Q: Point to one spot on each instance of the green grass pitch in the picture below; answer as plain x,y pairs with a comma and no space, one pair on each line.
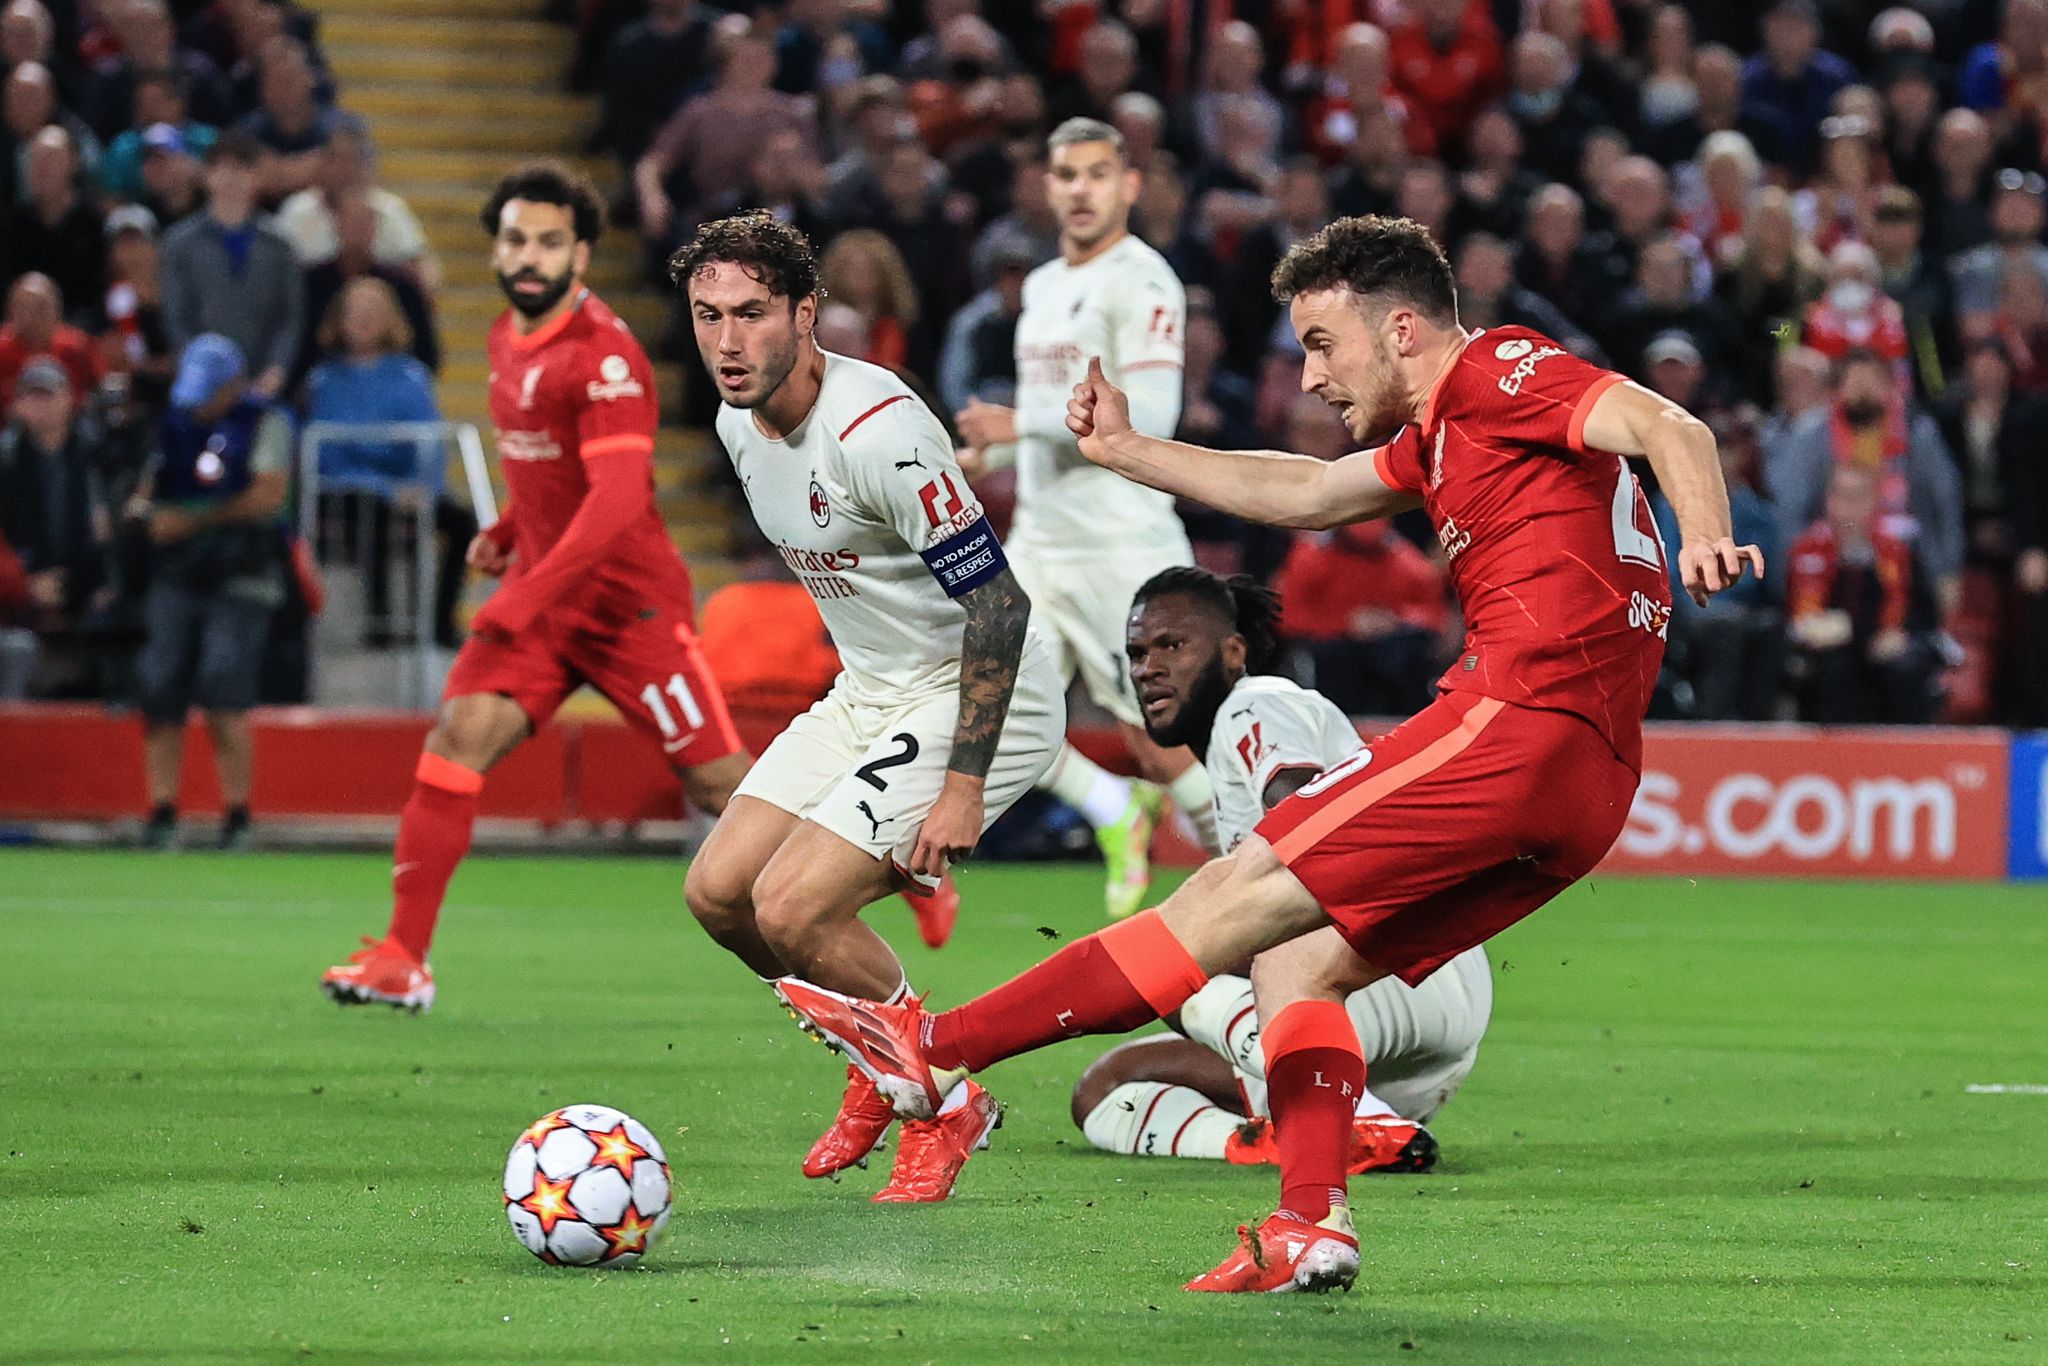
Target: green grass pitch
1712,1122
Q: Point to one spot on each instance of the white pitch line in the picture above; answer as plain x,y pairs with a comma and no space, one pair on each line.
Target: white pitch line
2023,1088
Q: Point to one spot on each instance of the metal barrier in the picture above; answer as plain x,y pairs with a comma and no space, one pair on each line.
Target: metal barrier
416,496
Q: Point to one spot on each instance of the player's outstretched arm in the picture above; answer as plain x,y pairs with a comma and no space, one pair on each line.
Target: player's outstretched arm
991,649
1272,487
1631,420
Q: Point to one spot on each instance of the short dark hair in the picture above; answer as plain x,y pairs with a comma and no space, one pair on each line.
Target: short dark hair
1252,609
549,182
759,243
237,145
1373,255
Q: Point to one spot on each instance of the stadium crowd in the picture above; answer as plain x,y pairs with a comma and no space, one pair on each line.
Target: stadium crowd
1820,226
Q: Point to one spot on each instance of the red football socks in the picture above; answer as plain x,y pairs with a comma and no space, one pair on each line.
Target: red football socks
1314,1073
433,835
1110,982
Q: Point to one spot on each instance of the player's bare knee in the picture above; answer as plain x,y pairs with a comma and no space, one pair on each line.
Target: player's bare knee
470,735
791,911
719,897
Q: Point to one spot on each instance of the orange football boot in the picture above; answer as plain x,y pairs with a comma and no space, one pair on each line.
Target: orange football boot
931,1152
886,1042
380,973
1285,1254
936,910
862,1120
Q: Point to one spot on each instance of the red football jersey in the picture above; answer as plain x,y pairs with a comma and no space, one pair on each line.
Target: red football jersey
581,389
1553,552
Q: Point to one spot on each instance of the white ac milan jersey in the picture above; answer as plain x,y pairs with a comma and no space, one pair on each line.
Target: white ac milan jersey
1127,307
853,500
1268,724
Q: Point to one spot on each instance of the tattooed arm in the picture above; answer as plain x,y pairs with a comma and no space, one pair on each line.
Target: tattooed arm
991,647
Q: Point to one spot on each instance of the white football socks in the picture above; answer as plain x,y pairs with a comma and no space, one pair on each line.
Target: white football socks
1195,798
1099,795
1152,1119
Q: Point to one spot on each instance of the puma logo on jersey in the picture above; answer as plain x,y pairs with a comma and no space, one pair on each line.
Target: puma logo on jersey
910,463
877,822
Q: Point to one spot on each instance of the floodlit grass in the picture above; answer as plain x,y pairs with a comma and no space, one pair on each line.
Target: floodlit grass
1712,1122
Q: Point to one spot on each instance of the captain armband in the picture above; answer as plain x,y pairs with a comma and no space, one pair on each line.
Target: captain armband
967,559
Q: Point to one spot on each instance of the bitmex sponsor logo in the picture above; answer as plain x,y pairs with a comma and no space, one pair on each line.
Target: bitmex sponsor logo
1803,802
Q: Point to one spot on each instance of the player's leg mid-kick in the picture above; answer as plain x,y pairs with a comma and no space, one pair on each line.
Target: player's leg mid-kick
1463,820
593,590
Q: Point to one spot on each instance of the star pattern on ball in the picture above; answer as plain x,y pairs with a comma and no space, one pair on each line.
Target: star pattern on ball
544,1126
549,1202
630,1234
617,1150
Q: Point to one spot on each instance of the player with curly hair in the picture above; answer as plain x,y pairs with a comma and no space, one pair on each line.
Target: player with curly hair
1483,806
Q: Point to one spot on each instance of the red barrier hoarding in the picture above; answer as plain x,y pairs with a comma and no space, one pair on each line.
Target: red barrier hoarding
1799,801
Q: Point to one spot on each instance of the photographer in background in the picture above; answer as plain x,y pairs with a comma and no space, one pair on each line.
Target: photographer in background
212,502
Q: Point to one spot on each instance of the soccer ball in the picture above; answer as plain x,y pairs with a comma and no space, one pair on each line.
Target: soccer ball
587,1185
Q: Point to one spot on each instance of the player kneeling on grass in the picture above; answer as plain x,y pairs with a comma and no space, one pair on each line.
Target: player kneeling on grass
1198,645
1483,806
945,712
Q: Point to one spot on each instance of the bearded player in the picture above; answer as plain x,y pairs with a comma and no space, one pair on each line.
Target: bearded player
1508,788
1199,648
1084,538
593,590
946,710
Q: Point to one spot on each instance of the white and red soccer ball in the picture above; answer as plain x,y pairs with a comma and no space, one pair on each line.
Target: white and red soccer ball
587,1185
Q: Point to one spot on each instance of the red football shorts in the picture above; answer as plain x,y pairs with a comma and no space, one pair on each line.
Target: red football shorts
1440,835
652,670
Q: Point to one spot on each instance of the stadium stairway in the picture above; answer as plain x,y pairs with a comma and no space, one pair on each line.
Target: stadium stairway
456,92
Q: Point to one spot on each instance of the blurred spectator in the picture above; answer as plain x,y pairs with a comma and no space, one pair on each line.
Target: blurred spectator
958,104
1489,296
35,327
916,220
1802,383
1860,618
876,121
1596,79
348,172
1357,86
1217,403
1560,261
985,167
28,105
788,180
355,259
1732,651
173,175
1373,161
290,122
1912,105
1673,366
211,504
1838,205
1855,313
1236,57
27,34
651,67
1029,229
1917,285
1637,196
1661,303
1301,207
257,25
148,51
1667,91
2020,327
1108,68
55,230
159,99
2017,59
1496,185
55,516
863,270
1956,216
1715,202
1870,425
841,329
134,340
225,271
1553,116
1161,217
369,374
1773,277
704,151
1142,121
1792,81
2017,217
979,357
1717,83
233,32
1447,63
1996,436
823,44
